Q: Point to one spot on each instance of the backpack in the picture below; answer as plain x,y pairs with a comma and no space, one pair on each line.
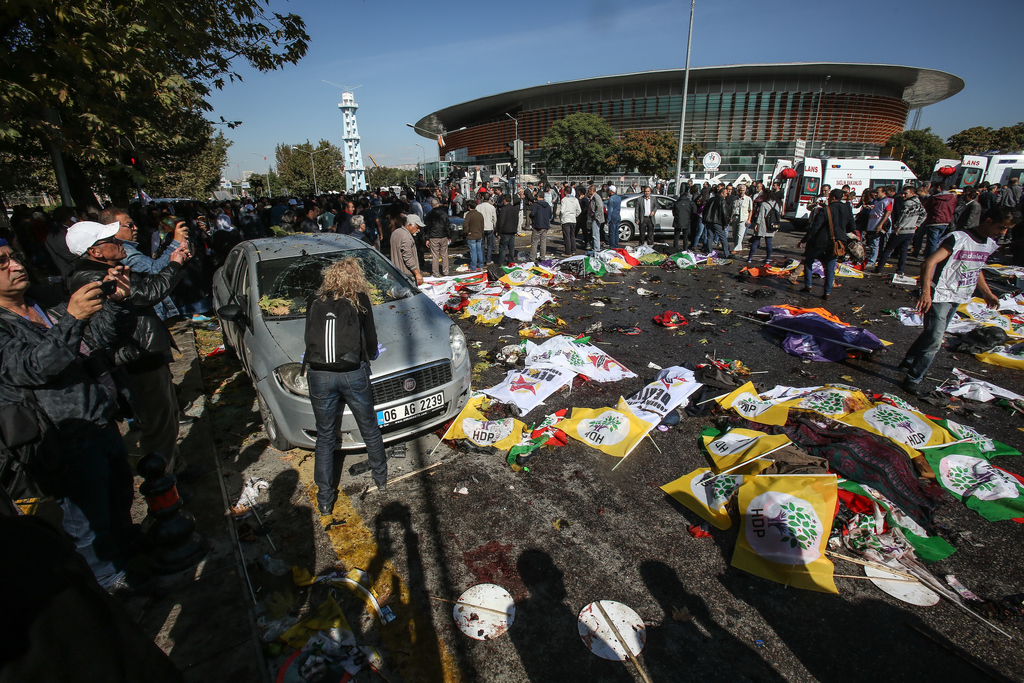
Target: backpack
772,219
334,335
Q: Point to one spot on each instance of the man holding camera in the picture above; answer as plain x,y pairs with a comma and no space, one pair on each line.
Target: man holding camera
146,357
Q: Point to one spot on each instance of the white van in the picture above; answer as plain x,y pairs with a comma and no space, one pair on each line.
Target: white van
802,190
973,169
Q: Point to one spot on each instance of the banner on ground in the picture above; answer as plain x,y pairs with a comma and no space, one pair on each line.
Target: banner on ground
832,401
989,447
745,401
615,431
785,524
515,277
484,310
965,472
472,425
521,303
1005,356
977,310
547,433
579,357
670,390
528,388
706,494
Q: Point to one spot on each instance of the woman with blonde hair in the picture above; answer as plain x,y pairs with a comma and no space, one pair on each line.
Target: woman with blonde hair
341,340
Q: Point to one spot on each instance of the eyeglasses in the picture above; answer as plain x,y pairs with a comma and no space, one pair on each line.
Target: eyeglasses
6,258
109,240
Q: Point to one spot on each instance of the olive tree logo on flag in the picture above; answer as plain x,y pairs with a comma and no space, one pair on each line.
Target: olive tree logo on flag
898,425
783,528
487,432
715,494
750,406
830,402
961,432
608,429
964,475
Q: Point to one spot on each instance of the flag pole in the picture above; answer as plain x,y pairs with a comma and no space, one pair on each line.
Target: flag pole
686,87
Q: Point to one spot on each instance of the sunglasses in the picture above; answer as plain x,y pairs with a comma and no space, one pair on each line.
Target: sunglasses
6,258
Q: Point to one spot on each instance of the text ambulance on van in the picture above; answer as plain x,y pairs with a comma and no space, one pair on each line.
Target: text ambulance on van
803,190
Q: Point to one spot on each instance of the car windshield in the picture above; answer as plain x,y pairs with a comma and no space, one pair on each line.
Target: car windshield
285,284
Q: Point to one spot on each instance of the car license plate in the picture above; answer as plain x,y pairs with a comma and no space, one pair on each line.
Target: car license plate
410,410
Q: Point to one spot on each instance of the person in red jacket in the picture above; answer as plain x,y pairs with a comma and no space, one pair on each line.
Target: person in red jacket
939,209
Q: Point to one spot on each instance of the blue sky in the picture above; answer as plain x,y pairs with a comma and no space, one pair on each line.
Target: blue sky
412,58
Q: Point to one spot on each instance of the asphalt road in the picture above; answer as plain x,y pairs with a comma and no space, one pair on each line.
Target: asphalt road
627,540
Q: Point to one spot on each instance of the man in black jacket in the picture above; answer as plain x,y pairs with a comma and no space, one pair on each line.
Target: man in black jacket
716,220
684,217
147,355
819,240
437,233
51,361
508,224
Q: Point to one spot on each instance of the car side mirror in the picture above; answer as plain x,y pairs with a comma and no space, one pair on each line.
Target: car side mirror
232,313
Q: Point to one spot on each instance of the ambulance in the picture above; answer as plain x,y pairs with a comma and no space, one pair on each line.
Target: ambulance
802,184
973,169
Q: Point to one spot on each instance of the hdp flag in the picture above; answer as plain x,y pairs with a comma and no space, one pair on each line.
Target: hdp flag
785,524
745,401
739,446
616,431
908,428
706,494
471,424
964,471
831,401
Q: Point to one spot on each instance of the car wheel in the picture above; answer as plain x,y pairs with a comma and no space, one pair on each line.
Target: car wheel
270,426
626,232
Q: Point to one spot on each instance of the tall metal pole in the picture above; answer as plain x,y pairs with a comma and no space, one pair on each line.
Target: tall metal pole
814,131
686,90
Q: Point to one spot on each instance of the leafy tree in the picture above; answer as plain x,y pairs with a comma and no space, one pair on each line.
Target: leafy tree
28,173
386,176
295,168
696,152
975,140
258,182
195,174
647,151
921,149
580,144
97,80
1009,138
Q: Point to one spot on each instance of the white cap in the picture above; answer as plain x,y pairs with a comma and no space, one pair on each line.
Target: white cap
611,188
84,234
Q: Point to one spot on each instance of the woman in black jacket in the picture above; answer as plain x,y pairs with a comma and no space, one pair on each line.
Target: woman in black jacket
340,341
818,242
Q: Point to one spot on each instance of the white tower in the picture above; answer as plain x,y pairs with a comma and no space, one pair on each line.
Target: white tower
355,173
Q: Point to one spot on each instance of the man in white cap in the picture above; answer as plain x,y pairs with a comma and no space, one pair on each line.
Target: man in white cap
146,357
403,248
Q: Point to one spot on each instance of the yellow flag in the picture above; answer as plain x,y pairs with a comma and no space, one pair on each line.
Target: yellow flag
1006,356
707,500
831,401
741,445
747,403
907,428
471,424
486,310
616,431
785,523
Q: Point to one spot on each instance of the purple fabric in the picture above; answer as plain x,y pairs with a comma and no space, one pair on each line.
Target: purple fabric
817,269
809,348
812,324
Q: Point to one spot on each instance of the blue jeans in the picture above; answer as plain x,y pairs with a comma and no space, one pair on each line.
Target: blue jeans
613,232
828,262
697,234
476,254
97,491
329,392
874,243
488,247
595,229
755,242
718,233
933,234
898,244
922,352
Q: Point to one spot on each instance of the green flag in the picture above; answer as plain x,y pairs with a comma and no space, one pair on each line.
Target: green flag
964,471
989,447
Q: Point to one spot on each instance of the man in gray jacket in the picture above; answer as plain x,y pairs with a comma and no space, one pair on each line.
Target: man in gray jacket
595,214
911,218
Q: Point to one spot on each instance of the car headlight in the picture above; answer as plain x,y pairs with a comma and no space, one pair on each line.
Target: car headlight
294,379
460,352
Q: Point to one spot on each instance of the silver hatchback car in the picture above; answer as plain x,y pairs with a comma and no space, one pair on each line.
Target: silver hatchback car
421,380
662,216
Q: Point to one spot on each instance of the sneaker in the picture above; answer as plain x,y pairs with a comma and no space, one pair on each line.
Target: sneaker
913,388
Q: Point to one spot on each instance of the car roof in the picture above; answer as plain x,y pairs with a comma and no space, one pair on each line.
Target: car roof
270,248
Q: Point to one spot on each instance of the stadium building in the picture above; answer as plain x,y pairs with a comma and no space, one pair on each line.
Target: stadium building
752,114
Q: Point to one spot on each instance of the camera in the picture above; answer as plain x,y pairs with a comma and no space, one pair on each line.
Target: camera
108,288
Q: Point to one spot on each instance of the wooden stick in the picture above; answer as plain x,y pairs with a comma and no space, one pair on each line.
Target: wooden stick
713,398
873,578
868,563
466,604
622,642
413,474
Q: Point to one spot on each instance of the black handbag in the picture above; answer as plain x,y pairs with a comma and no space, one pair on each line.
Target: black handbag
31,459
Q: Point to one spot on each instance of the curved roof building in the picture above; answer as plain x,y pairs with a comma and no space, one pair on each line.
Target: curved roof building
740,111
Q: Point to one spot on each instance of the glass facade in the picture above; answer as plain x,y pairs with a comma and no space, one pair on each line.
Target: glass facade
739,118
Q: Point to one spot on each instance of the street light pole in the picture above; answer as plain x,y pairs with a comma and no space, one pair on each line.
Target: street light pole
686,90
266,162
814,132
512,190
423,164
316,188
